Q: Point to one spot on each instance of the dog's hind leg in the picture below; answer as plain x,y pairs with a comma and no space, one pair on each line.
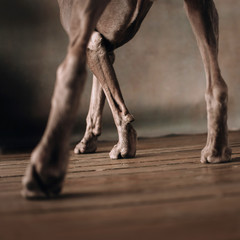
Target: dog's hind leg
99,62
94,120
204,20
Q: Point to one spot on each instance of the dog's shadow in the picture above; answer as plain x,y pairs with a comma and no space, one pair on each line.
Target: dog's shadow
234,160
80,195
77,195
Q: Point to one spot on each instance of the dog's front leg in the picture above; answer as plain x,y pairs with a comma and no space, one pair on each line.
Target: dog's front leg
45,174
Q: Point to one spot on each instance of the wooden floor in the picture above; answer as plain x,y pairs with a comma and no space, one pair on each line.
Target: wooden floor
164,193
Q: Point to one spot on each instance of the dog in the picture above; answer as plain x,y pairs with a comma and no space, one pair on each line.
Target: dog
95,30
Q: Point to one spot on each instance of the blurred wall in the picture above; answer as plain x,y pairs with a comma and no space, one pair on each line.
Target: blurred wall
160,70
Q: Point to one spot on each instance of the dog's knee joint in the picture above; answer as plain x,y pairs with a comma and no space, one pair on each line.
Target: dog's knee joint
96,42
217,94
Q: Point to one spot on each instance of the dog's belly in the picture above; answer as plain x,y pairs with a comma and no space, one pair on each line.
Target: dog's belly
121,20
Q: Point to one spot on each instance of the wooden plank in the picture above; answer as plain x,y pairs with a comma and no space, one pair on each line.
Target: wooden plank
208,219
164,193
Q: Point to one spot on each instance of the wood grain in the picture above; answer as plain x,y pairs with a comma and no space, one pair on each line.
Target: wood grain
164,193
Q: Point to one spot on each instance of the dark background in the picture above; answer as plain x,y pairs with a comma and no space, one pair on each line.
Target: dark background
160,71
